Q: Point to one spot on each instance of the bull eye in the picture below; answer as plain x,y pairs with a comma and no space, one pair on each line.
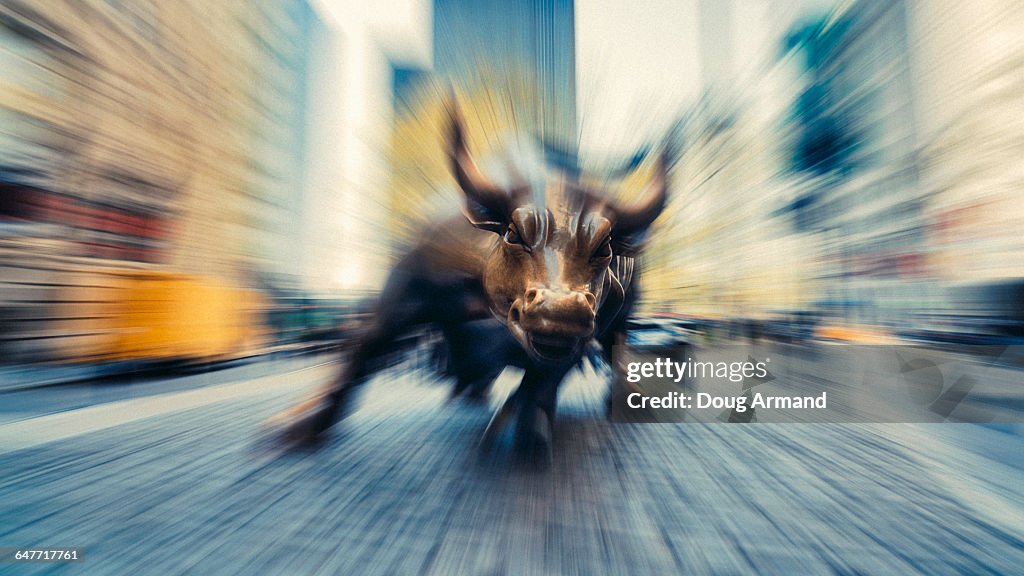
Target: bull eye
513,237
603,251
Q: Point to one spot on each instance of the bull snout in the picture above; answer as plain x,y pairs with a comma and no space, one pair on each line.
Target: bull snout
555,322
559,312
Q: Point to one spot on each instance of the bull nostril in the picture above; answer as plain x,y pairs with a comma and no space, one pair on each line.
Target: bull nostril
514,314
531,295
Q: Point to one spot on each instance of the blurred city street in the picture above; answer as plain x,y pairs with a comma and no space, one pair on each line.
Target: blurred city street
183,482
205,206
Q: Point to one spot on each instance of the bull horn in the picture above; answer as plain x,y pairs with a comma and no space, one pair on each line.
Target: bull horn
487,205
641,215
467,174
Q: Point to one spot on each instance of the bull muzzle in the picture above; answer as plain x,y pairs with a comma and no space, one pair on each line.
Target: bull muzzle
554,324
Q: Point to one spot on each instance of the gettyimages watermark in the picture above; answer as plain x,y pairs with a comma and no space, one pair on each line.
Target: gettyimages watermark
819,383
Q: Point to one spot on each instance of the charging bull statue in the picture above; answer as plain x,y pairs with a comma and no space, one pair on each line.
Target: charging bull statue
552,260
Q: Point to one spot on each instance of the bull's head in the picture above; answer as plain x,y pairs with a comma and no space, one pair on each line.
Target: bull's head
549,272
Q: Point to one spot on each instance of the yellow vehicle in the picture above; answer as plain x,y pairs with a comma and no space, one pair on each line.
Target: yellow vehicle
144,315
165,316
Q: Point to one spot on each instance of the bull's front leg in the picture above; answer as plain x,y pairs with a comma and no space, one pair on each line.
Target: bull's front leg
538,402
336,403
608,342
404,304
308,422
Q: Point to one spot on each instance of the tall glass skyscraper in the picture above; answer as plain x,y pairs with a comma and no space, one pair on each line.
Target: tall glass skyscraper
522,49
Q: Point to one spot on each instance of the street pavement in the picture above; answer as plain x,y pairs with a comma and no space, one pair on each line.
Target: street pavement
185,482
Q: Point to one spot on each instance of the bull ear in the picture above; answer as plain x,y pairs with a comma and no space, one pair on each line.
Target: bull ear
632,222
487,206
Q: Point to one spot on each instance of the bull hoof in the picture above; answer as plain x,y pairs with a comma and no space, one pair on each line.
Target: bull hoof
312,430
304,426
497,423
477,398
476,392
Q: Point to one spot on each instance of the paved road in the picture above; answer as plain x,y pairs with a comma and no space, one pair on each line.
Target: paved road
182,483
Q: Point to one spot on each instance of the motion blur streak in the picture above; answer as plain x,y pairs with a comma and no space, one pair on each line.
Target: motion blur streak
199,194
859,168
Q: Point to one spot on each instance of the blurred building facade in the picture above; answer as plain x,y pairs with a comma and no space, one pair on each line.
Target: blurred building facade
969,71
287,34
918,185
512,66
889,181
718,251
147,135
855,139
524,51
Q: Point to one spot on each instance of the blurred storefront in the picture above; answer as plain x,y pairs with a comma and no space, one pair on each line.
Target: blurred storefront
145,137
